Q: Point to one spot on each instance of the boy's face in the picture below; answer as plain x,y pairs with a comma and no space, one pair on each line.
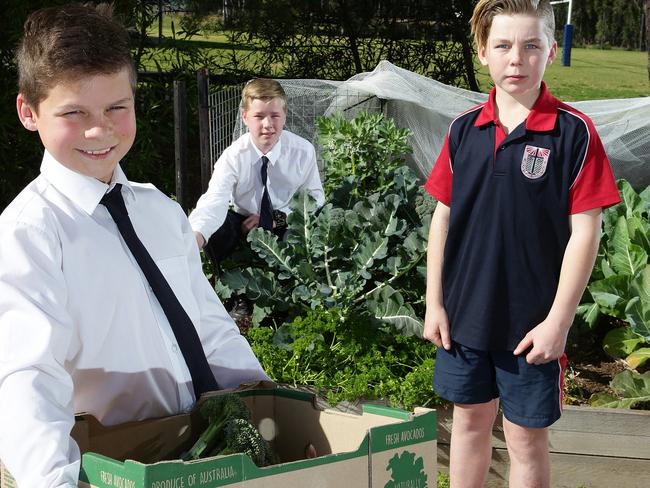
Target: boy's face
517,53
265,121
88,125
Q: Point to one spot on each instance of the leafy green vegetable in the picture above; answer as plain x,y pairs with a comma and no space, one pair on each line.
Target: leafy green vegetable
361,253
620,288
631,388
638,357
366,260
621,342
357,148
229,431
637,311
217,410
587,315
350,358
240,437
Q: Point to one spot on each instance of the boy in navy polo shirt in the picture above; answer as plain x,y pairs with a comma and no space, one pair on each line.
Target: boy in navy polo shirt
521,182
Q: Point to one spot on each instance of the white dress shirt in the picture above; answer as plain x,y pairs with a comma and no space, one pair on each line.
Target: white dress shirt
236,177
80,328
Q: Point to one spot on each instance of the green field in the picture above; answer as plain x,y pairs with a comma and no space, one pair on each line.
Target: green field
593,74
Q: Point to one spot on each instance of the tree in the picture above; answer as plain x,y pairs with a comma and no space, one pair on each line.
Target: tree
605,23
335,39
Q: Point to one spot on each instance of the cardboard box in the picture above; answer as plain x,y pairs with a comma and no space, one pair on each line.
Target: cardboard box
377,448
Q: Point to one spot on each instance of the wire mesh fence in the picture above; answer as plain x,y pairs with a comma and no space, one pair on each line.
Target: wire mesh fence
307,101
223,115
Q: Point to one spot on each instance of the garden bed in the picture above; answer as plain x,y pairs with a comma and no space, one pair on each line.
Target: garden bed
590,448
589,369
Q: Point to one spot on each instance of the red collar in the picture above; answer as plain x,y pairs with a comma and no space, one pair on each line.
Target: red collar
541,117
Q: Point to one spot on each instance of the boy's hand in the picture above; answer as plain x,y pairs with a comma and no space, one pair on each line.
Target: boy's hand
250,223
200,240
436,327
545,342
549,337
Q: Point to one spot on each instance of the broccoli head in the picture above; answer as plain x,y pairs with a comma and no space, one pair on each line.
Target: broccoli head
217,410
227,406
239,436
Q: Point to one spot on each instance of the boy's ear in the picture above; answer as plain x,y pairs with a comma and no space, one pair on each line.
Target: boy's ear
26,114
244,116
480,52
552,53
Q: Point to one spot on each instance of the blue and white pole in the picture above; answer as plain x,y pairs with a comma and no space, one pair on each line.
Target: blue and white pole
568,35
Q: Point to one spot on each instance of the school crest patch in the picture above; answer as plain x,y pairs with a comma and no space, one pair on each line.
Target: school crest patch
534,162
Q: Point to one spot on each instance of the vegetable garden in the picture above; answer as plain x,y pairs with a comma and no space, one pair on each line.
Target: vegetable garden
338,305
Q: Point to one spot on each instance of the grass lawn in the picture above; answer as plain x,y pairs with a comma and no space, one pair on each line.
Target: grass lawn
168,32
594,74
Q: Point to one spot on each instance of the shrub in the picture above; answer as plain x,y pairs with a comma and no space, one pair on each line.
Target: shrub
349,359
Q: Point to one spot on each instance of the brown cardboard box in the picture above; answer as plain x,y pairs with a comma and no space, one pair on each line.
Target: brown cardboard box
377,448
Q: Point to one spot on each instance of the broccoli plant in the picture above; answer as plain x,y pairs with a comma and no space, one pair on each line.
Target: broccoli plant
367,148
366,260
229,432
361,253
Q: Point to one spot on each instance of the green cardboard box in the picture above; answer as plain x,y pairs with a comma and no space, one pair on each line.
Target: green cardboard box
378,448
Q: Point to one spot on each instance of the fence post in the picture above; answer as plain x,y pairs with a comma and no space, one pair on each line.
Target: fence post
204,127
180,141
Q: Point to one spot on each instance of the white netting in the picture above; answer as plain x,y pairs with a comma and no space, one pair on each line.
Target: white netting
426,107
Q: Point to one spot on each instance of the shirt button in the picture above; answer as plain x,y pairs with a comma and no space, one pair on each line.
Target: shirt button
175,348
502,147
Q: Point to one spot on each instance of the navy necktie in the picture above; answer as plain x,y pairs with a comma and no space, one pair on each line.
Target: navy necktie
266,209
188,339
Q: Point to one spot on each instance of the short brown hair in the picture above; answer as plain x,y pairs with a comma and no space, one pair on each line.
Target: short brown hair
262,89
486,10
67,43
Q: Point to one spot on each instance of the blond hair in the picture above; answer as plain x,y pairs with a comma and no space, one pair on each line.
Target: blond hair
262,89
486,10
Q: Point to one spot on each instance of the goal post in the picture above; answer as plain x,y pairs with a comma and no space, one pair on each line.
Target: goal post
568,34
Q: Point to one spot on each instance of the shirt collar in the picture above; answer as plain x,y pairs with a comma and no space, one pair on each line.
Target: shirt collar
541,118
84,191
273,154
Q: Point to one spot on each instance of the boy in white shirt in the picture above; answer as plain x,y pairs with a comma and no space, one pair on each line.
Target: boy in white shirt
81,325
238,175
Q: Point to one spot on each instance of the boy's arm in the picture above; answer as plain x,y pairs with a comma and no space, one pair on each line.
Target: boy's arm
212,207
36,341
436,323
548,339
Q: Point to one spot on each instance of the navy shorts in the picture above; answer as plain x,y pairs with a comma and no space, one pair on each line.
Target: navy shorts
530,395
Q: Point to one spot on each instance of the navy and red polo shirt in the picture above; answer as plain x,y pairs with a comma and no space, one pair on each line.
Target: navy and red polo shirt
510,198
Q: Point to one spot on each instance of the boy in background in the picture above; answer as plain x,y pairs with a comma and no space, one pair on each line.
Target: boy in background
259,173
521,182
82,327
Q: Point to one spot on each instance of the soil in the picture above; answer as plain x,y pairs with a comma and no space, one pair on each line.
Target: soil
244,323
589,368
586,377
